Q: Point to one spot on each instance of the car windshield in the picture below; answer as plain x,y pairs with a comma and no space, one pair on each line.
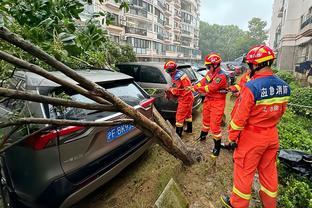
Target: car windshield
189,72
128,92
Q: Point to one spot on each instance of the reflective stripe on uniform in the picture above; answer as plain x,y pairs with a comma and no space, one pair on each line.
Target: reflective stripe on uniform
199,84
267,192
276,100
237,87
236,127
205,127
264,59
179,124
217,136
206,88
189,119
240,194
208,78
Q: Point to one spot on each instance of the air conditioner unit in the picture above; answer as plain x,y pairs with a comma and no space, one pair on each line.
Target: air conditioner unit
123,37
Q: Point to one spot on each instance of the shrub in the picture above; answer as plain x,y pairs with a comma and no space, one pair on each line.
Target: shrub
295,132
286,76
295,193
302,97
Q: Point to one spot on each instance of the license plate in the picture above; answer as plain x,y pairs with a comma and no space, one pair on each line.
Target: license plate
118,131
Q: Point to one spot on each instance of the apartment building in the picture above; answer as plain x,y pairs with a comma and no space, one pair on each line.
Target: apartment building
158,30
291,33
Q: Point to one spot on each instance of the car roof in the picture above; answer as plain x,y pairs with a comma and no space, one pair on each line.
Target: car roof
99,76
152,64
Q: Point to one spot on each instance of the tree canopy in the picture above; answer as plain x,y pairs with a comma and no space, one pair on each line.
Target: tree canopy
229,40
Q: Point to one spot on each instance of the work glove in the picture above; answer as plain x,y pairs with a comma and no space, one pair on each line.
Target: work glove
232,89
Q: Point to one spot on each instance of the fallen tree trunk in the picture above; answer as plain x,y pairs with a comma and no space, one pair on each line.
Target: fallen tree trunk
17,94
146,125
40,71
63,122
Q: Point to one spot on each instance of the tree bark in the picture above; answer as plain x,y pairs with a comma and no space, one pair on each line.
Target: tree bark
61,122
143,123
22,95
175,143
40,71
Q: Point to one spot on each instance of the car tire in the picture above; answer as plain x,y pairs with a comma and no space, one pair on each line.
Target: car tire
7,198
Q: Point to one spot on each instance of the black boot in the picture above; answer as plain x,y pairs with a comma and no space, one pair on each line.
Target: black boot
217,147
202,136
179,131
189,127
226,202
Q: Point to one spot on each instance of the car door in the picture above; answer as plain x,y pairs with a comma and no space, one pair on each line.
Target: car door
155,83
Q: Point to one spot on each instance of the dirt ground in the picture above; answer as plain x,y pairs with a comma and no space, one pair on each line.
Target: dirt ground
139,185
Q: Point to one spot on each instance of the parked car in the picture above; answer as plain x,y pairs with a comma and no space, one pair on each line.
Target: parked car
202,70
153,79
58,166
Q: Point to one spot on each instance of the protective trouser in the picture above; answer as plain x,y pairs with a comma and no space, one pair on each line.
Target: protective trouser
213,110
257,150
184,111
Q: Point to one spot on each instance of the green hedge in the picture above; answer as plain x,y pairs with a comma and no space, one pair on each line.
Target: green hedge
289,78
295,194
302,97
295,132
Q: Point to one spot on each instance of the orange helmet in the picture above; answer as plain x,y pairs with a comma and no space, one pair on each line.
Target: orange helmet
213,59
259,54
170,66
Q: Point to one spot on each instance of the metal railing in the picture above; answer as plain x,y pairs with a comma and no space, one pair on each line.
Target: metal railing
137,31
138,11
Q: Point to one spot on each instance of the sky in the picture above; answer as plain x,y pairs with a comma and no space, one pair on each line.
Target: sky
237,12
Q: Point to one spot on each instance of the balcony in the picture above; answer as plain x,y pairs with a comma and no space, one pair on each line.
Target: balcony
167,26
185,43
111,4
138,12
160,21
185,33
137,31
177,29
115,27
160,36
162,6
177,16
168,12
306,27
177,4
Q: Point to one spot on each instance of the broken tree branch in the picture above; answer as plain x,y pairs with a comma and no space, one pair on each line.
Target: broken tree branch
40,71
22,95
7,136
61,122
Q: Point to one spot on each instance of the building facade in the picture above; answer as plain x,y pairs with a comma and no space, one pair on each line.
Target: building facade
158,30
291,32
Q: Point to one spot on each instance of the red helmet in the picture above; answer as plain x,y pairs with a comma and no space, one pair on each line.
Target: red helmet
170,66
213,59
259,54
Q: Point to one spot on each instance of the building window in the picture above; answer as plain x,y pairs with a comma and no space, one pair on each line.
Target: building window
114,19
115,38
